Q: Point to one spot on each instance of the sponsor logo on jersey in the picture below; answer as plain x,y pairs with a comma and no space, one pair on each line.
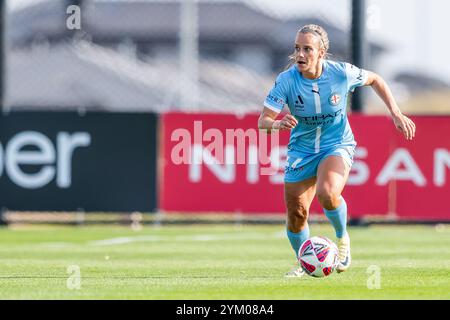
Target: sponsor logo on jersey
275,99
323,116
360,76
320,119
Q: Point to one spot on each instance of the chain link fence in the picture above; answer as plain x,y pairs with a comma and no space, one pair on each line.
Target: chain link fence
205,56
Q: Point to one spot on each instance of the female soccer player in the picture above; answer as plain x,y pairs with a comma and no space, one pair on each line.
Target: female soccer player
321,145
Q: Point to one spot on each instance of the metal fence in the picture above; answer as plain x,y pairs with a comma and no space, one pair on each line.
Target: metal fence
212,56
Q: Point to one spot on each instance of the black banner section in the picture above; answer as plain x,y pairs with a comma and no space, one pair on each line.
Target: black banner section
66,162
219,309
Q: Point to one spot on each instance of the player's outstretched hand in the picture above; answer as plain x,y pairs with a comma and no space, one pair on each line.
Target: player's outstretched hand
405,125
288,122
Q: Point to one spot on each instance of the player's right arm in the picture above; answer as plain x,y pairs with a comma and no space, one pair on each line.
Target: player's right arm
274,103
267,120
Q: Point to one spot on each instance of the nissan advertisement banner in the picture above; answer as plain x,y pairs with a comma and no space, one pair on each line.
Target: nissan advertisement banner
67,162
223,163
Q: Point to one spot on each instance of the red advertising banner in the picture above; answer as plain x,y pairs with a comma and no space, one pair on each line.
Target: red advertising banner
223,163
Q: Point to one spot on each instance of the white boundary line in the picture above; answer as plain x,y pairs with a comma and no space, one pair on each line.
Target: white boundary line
155,238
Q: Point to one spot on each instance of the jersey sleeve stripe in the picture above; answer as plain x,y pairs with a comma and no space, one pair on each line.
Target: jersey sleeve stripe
271,107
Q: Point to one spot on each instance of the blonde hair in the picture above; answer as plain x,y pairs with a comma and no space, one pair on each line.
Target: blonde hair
317,31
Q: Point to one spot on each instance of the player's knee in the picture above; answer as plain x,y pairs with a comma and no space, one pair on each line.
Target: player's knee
328,199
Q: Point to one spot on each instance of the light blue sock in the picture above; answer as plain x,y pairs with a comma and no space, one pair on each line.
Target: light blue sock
297,239
338,218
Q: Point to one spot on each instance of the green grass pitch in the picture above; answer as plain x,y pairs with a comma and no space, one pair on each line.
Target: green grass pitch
216,262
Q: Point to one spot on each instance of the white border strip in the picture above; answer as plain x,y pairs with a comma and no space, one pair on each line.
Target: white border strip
271,107
317,98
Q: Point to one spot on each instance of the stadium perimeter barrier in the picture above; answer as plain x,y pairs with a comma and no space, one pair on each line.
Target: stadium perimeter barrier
64,161
141,162
392,179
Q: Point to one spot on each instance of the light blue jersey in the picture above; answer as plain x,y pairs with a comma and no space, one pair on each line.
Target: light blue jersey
319,105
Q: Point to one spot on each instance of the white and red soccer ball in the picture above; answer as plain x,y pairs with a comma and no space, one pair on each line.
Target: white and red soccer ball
318,256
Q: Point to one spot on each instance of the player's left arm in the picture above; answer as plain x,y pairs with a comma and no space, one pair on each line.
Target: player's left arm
402,122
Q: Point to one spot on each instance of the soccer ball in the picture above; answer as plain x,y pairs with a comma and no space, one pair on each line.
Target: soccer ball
318,256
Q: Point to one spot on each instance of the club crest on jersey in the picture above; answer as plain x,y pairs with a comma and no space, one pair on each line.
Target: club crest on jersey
334,99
